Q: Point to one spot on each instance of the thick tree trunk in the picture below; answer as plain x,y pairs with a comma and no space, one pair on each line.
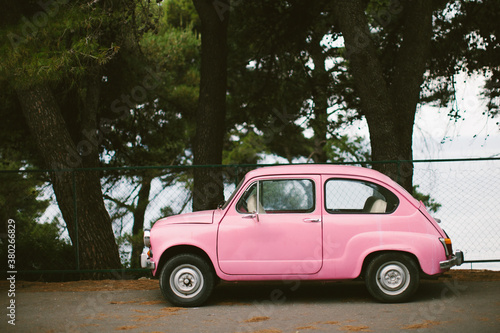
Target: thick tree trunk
211,113
410,65
91,228
388,101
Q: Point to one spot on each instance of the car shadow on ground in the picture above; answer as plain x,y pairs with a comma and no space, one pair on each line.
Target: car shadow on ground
310,292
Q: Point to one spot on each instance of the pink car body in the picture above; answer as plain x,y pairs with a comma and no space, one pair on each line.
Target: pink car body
305,226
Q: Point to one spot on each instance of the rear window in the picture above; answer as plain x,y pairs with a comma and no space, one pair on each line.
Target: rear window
350,196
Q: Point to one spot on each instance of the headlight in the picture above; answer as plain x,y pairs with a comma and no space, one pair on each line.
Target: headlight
147,234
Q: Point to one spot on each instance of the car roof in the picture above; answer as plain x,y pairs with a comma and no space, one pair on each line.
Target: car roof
334,169
330,169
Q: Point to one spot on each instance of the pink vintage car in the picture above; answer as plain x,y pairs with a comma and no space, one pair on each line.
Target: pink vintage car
302,222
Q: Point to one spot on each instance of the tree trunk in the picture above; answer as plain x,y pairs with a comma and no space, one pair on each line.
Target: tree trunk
139,214
320,81
410,65
211,113
388,101
90,231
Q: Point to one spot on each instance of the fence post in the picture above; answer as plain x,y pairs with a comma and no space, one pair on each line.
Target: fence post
399,171
237,176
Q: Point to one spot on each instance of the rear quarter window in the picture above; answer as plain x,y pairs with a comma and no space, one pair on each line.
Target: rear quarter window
351,196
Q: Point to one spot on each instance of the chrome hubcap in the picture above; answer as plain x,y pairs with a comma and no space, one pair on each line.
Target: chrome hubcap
393,278
186,281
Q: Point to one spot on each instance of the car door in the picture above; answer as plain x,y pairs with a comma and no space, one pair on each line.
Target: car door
274,227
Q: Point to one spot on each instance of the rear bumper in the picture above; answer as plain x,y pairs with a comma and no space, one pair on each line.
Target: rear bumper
456,260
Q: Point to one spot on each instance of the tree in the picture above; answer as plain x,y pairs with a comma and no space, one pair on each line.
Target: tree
38,245
55,62
389,94
406,53
154,126
464,44
94,226
286,78
378,74
211,112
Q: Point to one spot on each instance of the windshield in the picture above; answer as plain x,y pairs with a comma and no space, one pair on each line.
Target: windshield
233,194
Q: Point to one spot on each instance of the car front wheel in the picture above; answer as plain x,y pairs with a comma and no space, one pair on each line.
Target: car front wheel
392,277
187,280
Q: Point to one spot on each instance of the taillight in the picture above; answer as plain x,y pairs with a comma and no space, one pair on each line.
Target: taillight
447,245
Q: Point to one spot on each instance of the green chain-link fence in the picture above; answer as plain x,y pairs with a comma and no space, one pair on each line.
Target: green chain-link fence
466,191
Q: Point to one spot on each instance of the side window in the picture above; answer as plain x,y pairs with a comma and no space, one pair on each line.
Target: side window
278,196
287,195
248,201
346,196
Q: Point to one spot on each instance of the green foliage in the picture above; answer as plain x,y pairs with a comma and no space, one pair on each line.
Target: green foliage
243,148
483,46
289,76
156,104
16,148
39,245
347,149
61,46
428,201
462,43
181,14
276,66
176,54
73,48
19,191
154,129
166,211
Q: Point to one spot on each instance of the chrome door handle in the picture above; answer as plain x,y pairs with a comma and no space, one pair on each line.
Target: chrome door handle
251,216
312,220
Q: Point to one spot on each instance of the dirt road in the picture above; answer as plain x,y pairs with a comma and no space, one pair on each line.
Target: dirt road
448,305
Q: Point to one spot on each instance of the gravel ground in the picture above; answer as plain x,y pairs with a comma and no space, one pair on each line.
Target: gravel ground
467,301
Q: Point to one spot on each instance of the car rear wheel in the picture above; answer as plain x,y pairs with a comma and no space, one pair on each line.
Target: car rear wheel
392,277
187,280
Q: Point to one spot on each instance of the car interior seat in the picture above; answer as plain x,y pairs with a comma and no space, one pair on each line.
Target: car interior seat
375,205
252,205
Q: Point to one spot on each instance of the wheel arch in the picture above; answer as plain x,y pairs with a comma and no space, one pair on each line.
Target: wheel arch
375,254
181,249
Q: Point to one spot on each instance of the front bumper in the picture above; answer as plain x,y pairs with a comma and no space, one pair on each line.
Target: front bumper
146,261
456,260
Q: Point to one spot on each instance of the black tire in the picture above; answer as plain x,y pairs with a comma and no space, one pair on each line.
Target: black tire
392,277
187,280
